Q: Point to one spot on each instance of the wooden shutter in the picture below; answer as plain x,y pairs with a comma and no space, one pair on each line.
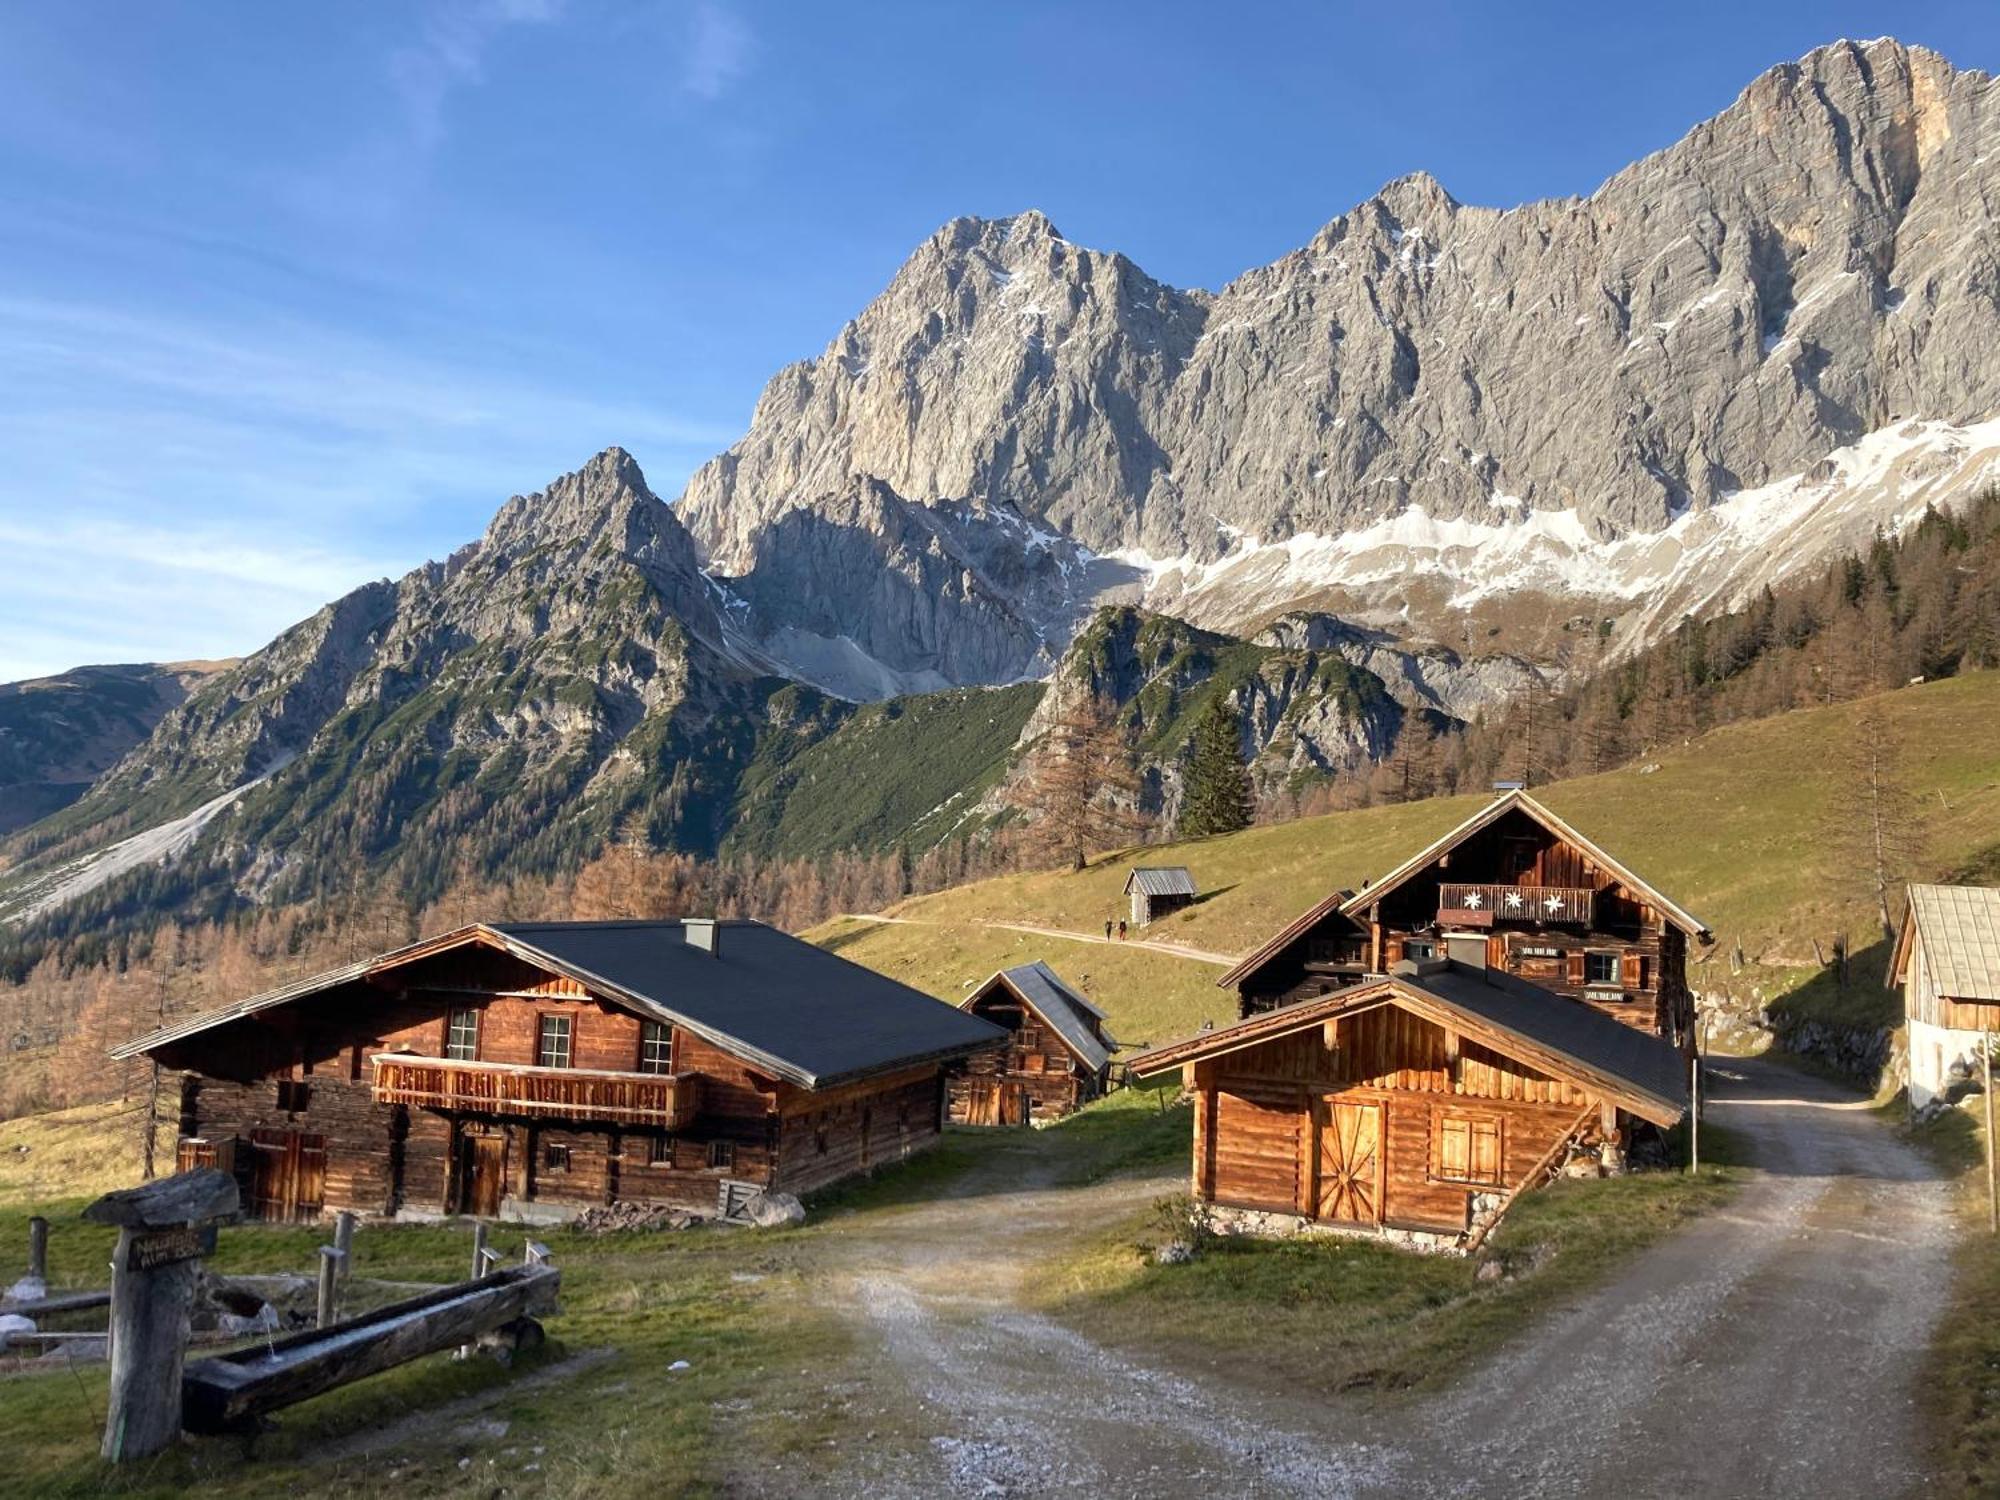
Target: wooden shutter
1634,976
1484,1165
1576,970
1454,1146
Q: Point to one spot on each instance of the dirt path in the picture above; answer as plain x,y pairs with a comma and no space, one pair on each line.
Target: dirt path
1768,1350
1155,945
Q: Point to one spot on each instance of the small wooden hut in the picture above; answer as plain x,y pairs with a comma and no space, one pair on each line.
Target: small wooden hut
1058,1056
1416,1104
1157,890
1947,963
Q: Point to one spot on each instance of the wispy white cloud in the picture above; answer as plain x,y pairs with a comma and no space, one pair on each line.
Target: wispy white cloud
720,50
450,52
178,489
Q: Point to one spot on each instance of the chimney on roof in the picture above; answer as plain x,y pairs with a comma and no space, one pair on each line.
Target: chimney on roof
1466,952
703,933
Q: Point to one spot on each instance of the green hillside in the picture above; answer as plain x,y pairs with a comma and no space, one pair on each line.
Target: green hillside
1734,825
908,769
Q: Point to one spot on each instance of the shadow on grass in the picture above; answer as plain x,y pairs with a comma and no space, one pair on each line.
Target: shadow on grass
1135,1129
1861,1001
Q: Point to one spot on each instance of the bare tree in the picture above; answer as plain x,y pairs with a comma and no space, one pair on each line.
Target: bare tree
1875,824
1085,789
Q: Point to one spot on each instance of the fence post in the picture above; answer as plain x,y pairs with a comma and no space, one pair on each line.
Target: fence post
343,1241
164,1228
38,1249
331,1261
478,1251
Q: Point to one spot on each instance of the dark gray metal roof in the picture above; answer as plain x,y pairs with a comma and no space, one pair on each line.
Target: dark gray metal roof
1623,1053
1161,880
774,1000
1062,1007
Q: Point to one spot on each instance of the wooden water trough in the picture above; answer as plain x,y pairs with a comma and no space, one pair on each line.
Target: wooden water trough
225,1393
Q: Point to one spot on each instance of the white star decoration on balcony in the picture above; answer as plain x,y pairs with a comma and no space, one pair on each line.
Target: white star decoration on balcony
1513,900
1472,900
1554,903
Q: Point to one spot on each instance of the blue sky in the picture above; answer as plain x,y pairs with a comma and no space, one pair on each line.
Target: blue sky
294,296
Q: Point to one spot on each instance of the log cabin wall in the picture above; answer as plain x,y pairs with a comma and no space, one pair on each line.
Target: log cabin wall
1628,963
1263,1113
836,1133
1037,1064
305,1072
361,1141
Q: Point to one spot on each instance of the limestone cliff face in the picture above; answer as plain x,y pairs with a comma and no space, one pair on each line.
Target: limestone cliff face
1816,264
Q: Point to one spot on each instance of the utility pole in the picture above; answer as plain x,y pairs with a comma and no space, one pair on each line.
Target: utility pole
1992,1162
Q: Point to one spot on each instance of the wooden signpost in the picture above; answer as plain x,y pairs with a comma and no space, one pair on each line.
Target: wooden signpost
164,1228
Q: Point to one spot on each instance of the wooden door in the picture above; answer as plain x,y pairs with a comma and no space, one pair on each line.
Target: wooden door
1013,1103
287,1175
1350,1162
982,1101
485,1174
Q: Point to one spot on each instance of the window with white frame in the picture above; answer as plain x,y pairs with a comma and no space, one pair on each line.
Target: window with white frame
461,1035
552,1048
656,1047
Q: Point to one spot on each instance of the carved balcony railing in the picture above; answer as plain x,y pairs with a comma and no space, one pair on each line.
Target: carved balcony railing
665,1100
1483,905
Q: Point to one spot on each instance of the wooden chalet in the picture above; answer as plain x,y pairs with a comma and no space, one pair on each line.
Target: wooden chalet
531,1070
1947,964
1415,1104
1156,891
1513,889
1057,1058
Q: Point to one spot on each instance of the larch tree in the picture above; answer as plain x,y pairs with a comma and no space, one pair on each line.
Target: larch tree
1085,789
1875,823
1411,771
1216,794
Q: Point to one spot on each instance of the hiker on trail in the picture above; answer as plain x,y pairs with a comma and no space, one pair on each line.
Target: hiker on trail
1107,929
1121,929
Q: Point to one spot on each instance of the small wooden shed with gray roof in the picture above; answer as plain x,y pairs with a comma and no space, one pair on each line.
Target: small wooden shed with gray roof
1157,890
1058,1055
1947,964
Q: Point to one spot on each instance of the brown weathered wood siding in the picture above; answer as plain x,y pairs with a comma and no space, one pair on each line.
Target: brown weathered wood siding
824,1137
383,1158
1259,1113
1649,956
1051,1079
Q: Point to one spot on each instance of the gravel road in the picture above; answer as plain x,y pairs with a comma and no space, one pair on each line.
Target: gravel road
1767,1350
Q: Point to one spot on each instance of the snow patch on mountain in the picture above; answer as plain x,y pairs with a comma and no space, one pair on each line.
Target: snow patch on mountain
1707,557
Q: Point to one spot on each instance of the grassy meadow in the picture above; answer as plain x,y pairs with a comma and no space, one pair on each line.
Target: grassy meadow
1734,825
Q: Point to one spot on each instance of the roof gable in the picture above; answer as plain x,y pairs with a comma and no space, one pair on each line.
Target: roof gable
780,1004
1161,880
1959,928
1562,1037
1519,801
1043,991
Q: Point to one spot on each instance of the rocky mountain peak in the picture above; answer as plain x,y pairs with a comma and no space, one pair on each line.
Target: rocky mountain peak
1547,386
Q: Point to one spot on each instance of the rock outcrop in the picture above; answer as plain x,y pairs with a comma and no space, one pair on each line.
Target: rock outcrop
1551,398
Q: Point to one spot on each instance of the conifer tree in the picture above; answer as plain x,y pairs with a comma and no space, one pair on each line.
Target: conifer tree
1216,795
1085,787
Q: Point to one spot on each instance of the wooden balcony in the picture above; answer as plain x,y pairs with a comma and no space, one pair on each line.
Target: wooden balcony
1484,905
667,1101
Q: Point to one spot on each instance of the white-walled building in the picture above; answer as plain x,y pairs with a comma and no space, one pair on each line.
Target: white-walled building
1947,962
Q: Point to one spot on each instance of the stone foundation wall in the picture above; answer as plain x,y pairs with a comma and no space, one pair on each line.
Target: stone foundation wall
1221,1220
